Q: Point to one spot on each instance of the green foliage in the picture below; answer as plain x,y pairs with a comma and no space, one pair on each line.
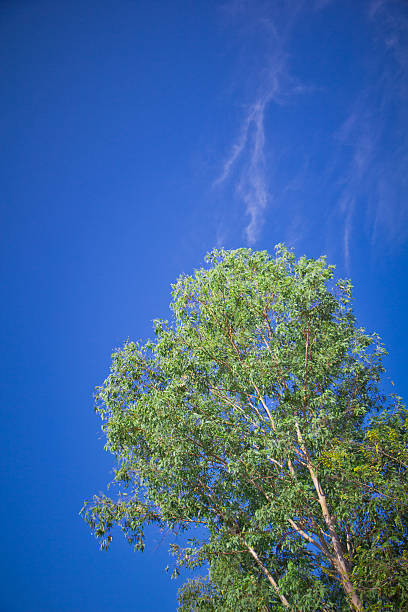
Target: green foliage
373,473
247,415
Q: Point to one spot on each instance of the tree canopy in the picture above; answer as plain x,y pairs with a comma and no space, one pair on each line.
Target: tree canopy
256,414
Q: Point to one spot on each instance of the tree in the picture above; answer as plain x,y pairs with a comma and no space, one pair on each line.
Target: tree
373,474
247,415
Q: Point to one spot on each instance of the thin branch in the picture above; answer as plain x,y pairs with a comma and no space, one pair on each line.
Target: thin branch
267,573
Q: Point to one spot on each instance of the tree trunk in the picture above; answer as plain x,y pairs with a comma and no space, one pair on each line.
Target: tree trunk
339,561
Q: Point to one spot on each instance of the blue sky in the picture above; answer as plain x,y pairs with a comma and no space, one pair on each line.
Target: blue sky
135,137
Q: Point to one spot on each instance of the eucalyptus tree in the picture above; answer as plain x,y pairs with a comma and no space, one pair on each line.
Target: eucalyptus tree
246,415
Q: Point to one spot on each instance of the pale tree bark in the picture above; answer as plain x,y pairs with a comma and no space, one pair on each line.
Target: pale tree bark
339,560
248,547
267,574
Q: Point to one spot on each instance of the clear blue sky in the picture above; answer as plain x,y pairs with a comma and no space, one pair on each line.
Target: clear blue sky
136,136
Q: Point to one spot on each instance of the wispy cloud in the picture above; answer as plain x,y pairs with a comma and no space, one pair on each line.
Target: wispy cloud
251,184
360,166
245,166
375,134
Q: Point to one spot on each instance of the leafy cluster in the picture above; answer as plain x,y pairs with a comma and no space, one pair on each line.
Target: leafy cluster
247,415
